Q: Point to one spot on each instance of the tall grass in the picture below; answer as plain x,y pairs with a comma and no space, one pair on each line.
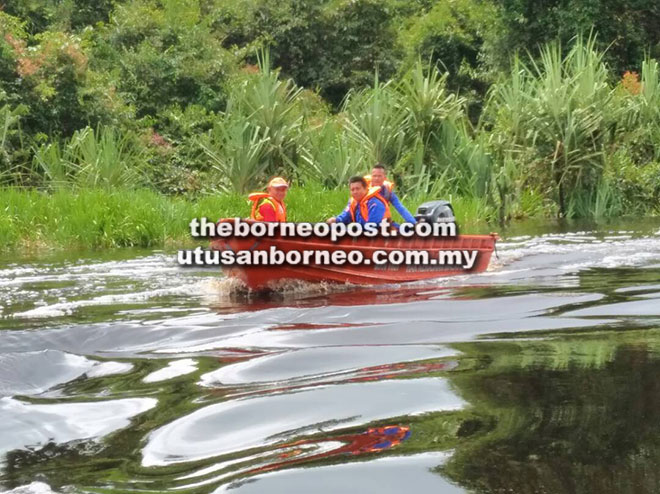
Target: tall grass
597,203
650,92
416,127
438,144
101,218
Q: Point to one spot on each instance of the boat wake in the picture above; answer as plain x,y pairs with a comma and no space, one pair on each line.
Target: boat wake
151,285
32,488
232,289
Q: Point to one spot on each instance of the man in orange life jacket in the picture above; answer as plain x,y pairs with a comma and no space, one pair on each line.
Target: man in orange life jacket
269,206
365,206
379,179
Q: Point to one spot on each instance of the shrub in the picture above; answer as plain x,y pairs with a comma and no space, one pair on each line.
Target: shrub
102,158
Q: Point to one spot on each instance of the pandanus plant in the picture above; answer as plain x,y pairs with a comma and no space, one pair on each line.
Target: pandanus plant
375,122
91,158
431,113
237,150
272,105
332,157
427,103
564,110
260,133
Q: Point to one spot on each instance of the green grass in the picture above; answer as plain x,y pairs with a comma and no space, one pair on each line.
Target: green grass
101,218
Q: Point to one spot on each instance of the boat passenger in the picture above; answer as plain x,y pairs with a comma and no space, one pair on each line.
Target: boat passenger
378,178
366,205
269,205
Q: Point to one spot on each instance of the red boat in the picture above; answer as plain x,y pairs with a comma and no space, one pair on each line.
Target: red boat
260,277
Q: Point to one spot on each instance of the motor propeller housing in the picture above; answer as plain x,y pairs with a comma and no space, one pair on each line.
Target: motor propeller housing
435,212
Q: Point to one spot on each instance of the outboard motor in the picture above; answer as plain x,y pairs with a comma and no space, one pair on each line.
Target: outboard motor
435,212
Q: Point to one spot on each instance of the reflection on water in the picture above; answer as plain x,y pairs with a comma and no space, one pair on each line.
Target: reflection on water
124,373
581,418
237,425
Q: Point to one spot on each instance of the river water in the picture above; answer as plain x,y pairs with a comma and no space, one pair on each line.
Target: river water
121,372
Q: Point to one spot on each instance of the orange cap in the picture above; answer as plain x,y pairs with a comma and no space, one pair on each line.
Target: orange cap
278,182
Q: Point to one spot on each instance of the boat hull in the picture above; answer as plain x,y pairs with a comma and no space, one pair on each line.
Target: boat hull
263,277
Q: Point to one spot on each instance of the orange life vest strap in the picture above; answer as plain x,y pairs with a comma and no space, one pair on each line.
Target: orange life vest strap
259,198
364,208
386,183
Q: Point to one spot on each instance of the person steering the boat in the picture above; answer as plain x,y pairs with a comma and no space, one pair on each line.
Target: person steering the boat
378,178
269,205
366,205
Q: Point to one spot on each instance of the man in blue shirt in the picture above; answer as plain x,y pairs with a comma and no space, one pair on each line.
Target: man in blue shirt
365,206
379,179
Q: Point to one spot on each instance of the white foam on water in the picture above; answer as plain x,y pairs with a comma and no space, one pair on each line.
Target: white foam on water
32,488
57,290
548,256
68,308
232,426
569,252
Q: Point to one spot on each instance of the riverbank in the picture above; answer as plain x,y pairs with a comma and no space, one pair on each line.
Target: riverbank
99,219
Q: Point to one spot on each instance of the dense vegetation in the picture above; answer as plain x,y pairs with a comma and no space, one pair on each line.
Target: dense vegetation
99,218
525,107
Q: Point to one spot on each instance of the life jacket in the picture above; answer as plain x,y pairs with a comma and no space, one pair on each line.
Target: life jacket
364,208
260,198
386,183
